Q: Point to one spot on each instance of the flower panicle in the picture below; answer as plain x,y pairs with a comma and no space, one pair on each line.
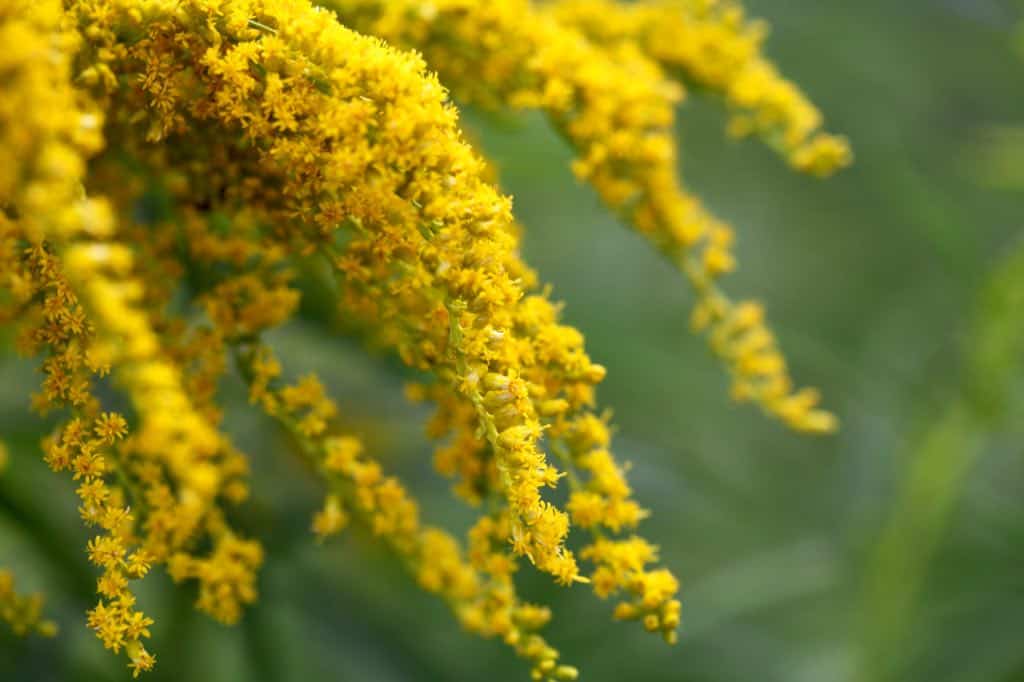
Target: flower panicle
477,586
716,48
615,104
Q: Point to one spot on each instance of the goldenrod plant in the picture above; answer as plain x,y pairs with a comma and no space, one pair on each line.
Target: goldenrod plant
288,136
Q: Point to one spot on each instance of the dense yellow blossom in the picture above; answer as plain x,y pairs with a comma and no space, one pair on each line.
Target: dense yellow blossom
462,269
615,105
712,45
478,587
41,185
285,142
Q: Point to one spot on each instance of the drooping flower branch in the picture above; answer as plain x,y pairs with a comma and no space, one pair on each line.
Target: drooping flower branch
615,104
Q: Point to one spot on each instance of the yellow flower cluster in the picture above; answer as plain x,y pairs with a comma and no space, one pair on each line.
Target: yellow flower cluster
603,504
23,614
172,470
478,587
152,493
286,143
460,268
227,578
615,104
711,45
54,320
44,126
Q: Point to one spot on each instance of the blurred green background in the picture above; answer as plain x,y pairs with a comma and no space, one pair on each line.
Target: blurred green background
893,551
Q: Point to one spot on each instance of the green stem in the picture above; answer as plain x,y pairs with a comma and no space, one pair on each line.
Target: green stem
937,469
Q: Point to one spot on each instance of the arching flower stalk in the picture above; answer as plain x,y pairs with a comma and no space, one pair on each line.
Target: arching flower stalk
152,494
478,588
615,106
478,584
713,47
